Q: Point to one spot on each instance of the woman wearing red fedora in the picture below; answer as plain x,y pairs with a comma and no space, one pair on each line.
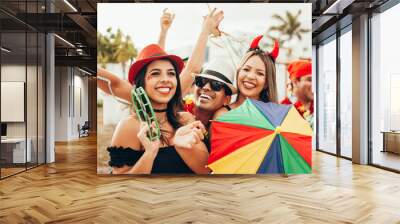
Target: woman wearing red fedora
180,149
256,76
121,88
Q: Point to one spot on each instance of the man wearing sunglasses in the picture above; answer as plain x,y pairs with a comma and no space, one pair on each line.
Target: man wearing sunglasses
213,89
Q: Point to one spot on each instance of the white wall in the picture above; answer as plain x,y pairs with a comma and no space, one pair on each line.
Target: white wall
14,73
79,117
61,103
33,127
69,81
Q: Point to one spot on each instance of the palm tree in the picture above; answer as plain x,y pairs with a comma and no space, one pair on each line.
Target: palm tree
290,26
115,48
288,29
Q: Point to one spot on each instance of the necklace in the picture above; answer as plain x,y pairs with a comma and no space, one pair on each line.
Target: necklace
160,110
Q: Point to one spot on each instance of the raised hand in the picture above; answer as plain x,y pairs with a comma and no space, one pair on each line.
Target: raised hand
212,21
189,135
149,146
166,20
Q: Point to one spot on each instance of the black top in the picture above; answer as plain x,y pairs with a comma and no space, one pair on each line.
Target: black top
227,107
166,161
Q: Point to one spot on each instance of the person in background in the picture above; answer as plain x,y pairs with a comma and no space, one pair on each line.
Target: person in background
300,74
165,23
289,91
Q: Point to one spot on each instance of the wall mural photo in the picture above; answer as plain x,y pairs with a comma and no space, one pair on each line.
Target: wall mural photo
204,88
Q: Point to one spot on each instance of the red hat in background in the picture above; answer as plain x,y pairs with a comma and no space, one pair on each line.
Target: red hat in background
149,54
299,68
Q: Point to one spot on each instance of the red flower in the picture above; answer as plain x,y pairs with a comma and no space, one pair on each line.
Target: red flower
300,107
302,110
188,105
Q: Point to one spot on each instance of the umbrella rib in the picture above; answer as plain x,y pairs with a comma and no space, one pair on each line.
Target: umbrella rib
266,151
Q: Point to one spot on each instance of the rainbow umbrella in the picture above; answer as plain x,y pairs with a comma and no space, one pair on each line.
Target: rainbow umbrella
260,137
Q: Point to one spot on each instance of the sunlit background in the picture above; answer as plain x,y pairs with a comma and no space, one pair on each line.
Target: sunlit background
133,26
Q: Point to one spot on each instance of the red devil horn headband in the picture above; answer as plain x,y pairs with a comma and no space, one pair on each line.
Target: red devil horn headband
275,51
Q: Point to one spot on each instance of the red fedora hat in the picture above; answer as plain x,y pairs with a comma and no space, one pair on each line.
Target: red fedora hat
151,53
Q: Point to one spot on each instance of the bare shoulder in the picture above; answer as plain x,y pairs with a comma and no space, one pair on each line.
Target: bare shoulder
186,117
125,133
219,112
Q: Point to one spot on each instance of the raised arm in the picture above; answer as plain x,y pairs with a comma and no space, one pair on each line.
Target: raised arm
196,60
121,88
165,23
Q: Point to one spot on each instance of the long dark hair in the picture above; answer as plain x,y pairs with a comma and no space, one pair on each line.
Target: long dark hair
269,93
173,106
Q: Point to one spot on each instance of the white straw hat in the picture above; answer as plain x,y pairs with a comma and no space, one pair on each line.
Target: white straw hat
220,70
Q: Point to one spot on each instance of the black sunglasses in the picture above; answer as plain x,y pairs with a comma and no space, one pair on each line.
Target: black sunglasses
215,85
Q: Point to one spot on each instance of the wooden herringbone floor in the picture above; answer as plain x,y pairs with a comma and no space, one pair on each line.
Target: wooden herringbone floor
70,191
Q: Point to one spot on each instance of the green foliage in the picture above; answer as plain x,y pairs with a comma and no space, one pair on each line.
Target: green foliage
288,28
114,48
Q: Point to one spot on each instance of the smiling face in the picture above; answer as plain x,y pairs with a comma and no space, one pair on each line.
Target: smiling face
210,100
252,77
160,82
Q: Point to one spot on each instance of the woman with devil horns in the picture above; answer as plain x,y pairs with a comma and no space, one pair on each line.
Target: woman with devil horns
256,76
